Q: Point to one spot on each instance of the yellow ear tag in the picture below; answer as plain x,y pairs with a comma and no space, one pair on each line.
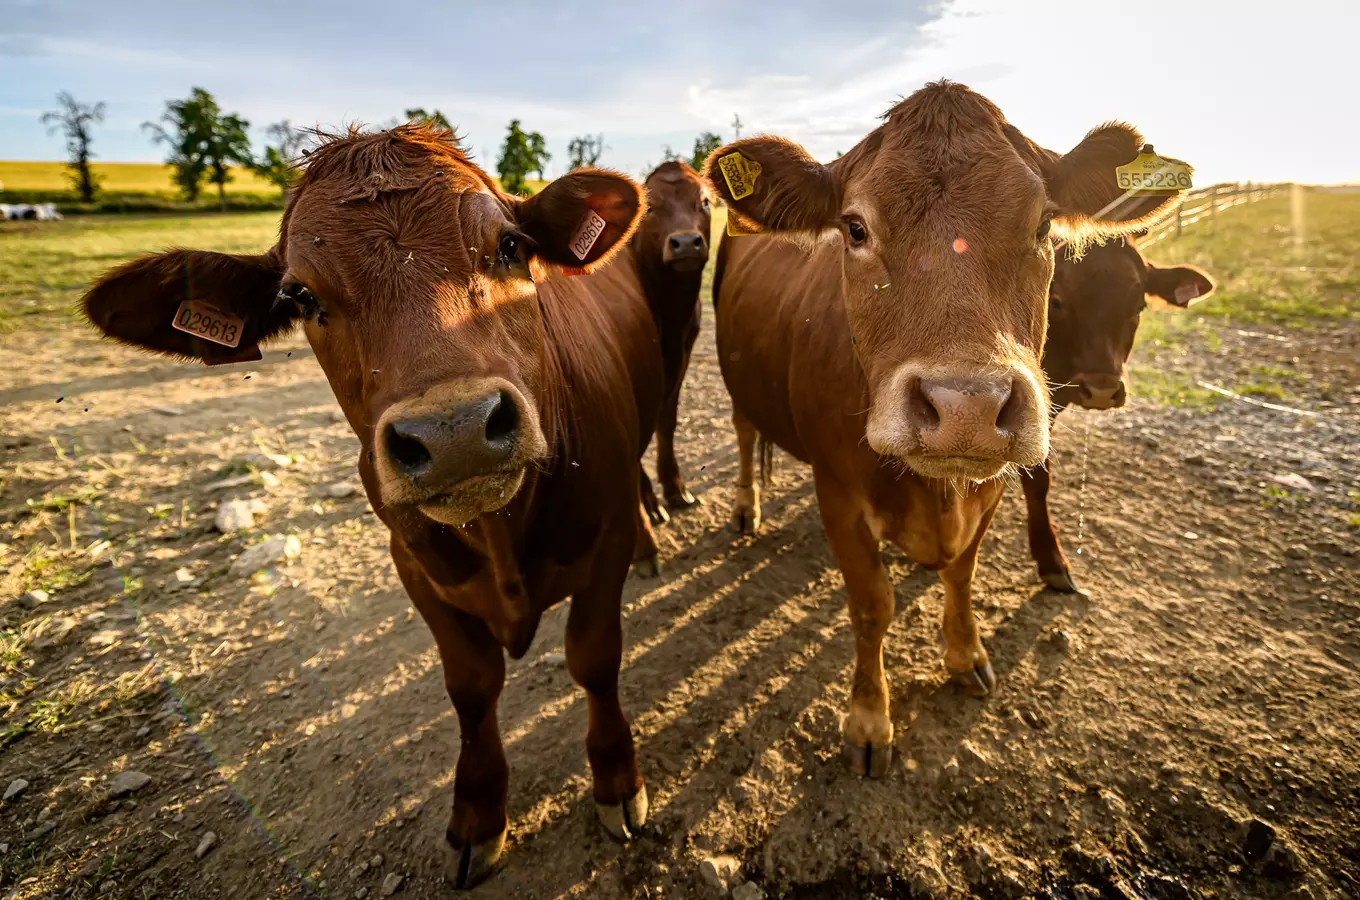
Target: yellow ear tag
1150,175
740,174
738,225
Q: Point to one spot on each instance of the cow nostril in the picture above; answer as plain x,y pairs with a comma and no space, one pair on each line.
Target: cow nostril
503,421
1012,413
698,242
408,452
920,407
674,244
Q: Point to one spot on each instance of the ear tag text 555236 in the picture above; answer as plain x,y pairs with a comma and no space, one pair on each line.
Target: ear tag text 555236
740,174
1150,175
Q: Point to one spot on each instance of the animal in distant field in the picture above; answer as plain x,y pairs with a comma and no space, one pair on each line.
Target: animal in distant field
1095,304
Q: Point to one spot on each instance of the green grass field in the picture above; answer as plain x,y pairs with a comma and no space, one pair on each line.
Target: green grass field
118,178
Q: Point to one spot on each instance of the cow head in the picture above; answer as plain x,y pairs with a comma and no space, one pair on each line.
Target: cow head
944,216
1094,306
675,230
414,277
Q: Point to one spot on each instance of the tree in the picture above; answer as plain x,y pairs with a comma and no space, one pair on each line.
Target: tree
277,166
202,141
434,118
522,153
76,119
669,155
584,151
704,144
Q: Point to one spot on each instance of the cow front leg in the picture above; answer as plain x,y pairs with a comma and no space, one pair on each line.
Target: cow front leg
673,488
1044,545
474,672
964,656
746,504
594,645
655,512
867,728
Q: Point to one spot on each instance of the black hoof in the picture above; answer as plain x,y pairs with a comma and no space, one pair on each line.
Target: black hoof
870,760
650,567
471,864
682,500
745,521
624,820
978,681
1061,582
657,515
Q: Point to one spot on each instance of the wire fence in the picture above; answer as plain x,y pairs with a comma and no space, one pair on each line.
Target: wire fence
1206,203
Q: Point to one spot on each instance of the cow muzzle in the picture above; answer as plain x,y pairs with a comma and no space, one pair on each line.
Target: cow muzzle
1100,391
961,425
459,450
685,251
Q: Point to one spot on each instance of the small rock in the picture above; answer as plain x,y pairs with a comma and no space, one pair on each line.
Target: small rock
338,416
42,830
127,782
1061,639
4,848
719,872
1296,551
16,787
1196,459
360,893
972,756
1164,887
1282,861
1257,837
340,490
265,461
233,515
225,483
553,659
1085,892
168,410
360,870
182,578
269,479
106,637
1293,480
108,887
205,844
376,861
951,768
45,813
34,598
748,891
390,884
275,548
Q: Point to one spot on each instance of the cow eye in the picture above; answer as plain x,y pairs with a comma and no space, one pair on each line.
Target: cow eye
1054,301
1044,228
858,233
704,204
509,247
301,296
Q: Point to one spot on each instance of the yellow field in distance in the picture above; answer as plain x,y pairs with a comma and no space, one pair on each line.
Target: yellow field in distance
119,178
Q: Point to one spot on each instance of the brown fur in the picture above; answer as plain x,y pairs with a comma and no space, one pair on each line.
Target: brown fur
399,236
826,346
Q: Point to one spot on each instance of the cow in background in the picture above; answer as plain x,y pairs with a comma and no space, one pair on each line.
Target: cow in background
1095,304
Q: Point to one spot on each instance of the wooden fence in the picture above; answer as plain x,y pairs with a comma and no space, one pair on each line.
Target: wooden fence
1205,203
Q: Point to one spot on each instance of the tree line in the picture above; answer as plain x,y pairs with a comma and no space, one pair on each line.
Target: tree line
204,142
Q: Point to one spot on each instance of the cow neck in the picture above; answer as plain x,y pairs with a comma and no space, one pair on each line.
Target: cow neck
671,295
498,540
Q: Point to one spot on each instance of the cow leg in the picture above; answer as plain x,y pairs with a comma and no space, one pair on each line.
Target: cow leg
474,672
594,645
964,656
656,513
867,727
746,506
1043,535
667,469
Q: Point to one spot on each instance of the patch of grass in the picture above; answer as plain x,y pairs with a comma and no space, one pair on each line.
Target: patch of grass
119,178
51,570
1169,388
1279,373
1268,390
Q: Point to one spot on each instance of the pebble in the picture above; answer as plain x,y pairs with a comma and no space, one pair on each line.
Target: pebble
42,830
34,598
340,490
1257,837
1296,551
718,872
1294,480
376,861
181,578
970,754
168,410
205,844
1282,861
553,659
234,515
275,548
748,891
1061,639
951,768
360,893
127,782
390,884
16,787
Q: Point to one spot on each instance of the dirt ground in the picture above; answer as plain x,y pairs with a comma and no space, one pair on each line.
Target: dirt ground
1207,679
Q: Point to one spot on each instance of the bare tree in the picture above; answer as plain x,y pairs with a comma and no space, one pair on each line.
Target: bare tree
76,119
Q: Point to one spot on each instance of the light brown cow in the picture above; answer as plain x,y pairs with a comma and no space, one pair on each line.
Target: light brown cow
895,344
501,411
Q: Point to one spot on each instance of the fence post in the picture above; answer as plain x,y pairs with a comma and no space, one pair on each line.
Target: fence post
1213,201
1179,207
1296,214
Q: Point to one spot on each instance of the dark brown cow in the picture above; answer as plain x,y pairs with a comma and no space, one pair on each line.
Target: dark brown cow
1094,306
895,344
670,249
501,412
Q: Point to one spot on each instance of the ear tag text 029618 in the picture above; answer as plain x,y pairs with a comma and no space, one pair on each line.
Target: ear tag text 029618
740,174
1149,175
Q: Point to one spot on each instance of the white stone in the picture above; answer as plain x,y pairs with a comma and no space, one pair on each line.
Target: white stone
205,844
125,783
273,549
234,515
340,490
16,787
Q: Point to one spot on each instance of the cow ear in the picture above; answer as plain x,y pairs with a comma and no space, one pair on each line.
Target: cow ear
1178,285
776,184
1084,185
580,219
140,302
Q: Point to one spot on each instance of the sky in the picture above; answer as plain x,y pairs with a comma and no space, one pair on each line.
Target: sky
1242,89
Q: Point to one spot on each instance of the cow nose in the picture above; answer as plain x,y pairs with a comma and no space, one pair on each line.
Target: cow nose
439,449
968,416
1101,391
686,245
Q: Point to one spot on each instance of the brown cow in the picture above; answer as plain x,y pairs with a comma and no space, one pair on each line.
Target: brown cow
670,248
894,345
1095,303
501,413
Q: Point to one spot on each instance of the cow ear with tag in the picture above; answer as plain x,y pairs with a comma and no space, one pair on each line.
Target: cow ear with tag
774,185
1178,285
194,304
579,220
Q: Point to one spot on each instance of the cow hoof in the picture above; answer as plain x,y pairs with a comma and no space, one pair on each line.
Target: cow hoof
624,821
1061,582
658,516
978,681
682,500
471,864
868,759
745,521
648,567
